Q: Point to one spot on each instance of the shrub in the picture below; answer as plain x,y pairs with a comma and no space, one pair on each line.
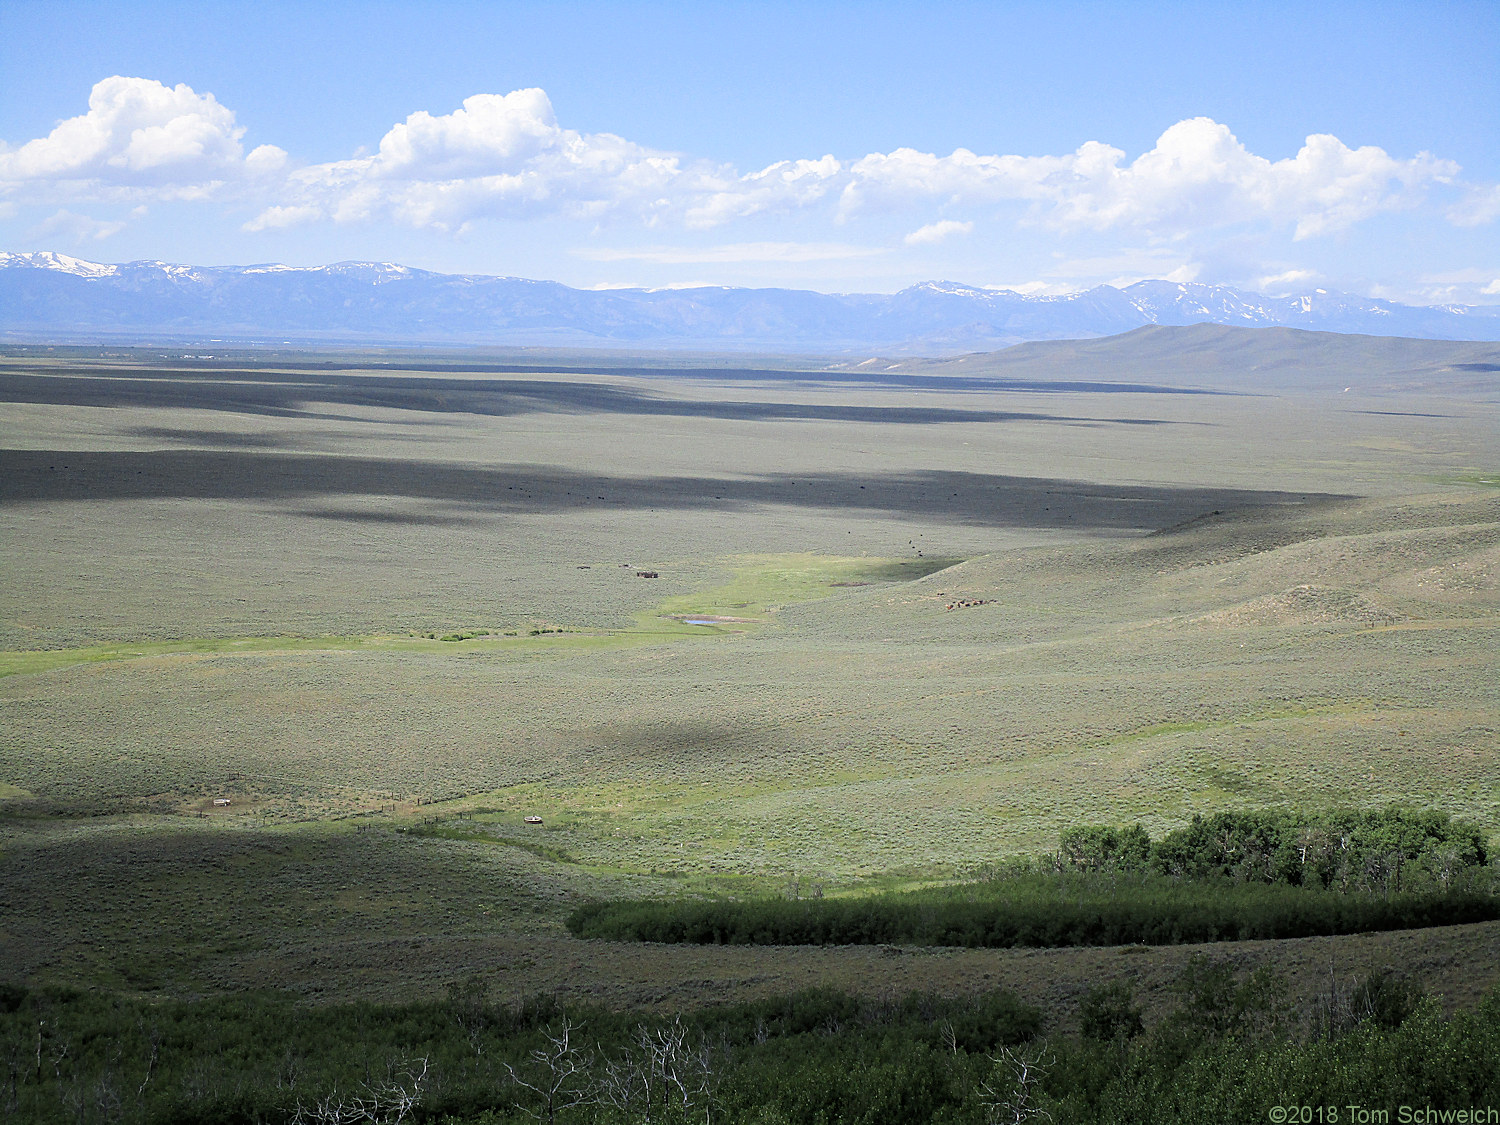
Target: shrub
1108,1012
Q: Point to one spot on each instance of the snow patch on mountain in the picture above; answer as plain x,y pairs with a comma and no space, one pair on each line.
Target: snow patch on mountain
51,260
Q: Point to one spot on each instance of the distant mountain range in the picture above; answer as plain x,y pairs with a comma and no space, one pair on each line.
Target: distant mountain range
50,296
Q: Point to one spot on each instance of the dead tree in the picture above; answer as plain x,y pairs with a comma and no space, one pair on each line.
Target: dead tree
153,1038
468,999
1009,1094
684,1070
389,1103
663,1075
563,1074
625,1085
950,1037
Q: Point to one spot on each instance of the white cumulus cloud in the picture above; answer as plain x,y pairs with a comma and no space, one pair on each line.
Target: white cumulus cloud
274,218
139,137
495,156
1288,281
783,186
1198,176
490,135
505,156
936,232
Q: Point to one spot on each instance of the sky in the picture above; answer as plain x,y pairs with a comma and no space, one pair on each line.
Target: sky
1044,147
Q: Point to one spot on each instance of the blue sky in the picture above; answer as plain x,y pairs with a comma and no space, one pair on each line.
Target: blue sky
850,147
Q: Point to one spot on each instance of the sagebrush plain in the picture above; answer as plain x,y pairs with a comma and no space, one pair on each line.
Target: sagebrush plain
907,620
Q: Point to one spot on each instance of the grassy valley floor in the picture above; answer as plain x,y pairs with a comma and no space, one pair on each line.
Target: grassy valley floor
883,648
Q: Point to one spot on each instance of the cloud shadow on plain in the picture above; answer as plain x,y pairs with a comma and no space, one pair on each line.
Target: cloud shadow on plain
291,394
983,499
210,437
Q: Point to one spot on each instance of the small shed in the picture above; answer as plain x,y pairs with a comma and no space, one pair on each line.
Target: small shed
221,802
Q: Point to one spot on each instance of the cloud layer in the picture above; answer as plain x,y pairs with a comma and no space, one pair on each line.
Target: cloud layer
497,156
506,157
1199,176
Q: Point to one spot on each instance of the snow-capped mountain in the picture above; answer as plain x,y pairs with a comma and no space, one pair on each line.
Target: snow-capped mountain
48,260
46,295
1164,302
